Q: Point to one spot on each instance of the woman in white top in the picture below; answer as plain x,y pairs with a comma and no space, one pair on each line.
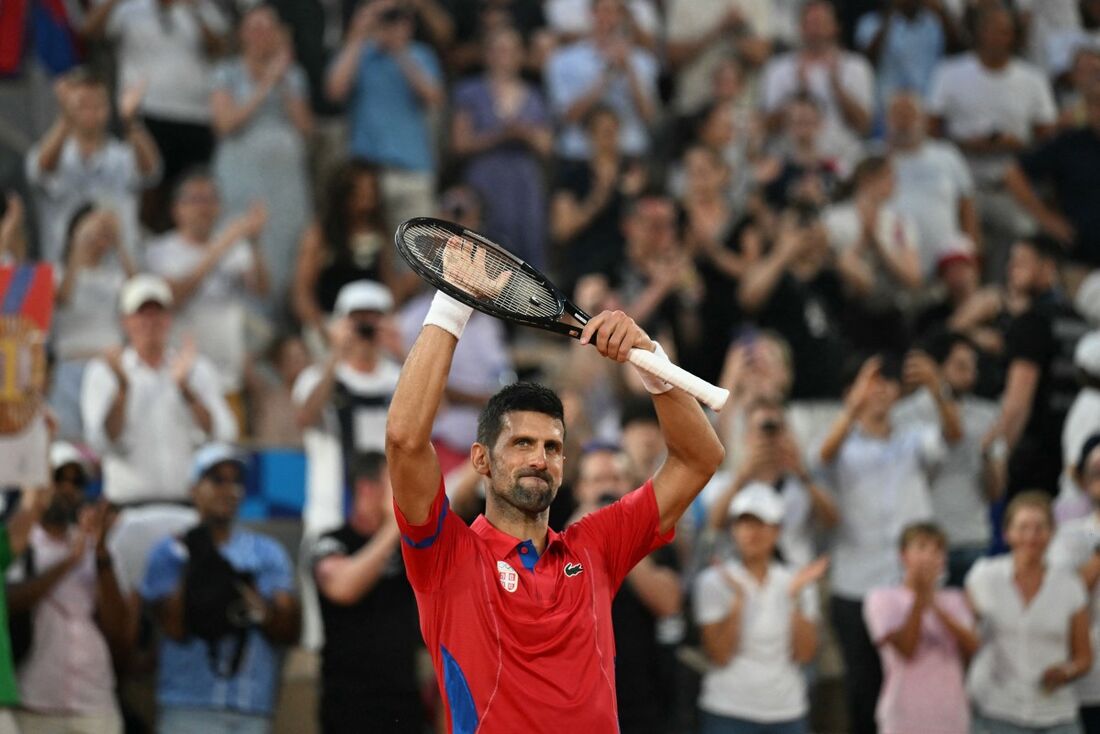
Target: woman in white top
95,265
758,620
1035,630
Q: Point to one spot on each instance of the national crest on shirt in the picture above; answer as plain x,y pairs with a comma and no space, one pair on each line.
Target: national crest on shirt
509,579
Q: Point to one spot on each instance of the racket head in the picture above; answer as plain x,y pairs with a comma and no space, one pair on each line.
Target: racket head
527,297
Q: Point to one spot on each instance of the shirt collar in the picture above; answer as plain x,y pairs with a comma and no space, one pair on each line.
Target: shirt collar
501,543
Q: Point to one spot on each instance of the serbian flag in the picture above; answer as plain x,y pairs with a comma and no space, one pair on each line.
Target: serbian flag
27,290
49,25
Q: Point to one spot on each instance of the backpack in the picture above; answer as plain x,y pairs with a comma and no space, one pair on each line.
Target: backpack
21,624
213,607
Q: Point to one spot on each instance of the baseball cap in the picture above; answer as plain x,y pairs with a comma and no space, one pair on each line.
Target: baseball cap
212,454
1087,300
1087,354
759,500
142,289
63,453
363,295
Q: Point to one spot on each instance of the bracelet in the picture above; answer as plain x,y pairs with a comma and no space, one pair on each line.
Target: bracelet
654,385
448,314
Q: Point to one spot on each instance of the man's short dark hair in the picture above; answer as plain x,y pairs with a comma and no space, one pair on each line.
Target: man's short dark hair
368,465
519,396
197,172
940,345
637,410
1045,246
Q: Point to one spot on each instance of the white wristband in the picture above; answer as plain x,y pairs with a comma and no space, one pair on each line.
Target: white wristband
653,384
448,314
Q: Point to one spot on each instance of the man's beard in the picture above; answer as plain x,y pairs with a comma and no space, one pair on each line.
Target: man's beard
529,499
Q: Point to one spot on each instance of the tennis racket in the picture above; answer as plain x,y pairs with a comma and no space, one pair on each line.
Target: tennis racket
473,269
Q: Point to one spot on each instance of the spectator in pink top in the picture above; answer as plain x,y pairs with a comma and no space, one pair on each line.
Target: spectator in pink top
925,635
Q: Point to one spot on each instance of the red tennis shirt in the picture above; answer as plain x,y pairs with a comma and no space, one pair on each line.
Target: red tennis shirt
523,643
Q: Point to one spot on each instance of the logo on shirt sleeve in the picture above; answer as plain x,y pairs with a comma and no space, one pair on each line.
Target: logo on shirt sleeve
572,569
509,579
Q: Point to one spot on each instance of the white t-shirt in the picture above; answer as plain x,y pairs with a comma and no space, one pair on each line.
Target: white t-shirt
761,682
88,324
881,486
845,228
574,17
780,82
1072,547
959,502
163,45
689,20
931,182
975,101
361,402
215,313
1019,643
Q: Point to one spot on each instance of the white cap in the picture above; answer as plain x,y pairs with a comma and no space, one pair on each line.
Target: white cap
363,295
141,289
1087,354
759,500
1087,300
63,453
212,454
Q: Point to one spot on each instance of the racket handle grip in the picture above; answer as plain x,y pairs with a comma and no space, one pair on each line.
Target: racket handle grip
662,367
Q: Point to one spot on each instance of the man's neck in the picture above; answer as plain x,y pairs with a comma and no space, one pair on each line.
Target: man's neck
194,236
88,142
152,356
994,60
877,426
363,361
220,531
520,525
758,568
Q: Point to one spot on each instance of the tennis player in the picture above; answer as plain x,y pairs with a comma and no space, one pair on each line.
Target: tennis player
517,617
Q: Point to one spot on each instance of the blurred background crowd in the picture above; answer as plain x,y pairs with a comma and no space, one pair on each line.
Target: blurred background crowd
876,221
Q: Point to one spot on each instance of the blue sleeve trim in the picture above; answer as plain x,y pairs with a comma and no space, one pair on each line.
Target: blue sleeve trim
460,701
427,542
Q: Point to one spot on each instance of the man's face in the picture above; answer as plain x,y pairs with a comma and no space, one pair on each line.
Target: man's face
147,329
91,108
197,207
960,369
884,392
526,463
372,499
803,122
607,16
602,473
603,130
1027,270
644,444
703,171
819,27
960,277
905,121
755,539
997,33
218,494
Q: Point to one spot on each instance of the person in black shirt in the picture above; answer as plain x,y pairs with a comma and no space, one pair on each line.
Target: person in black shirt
1040,384
650,593
368,662
792,287
1070,163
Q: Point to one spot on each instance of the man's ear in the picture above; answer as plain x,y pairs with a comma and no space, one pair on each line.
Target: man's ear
479,457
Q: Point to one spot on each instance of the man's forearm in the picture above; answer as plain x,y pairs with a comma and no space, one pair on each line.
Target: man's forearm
694,454
658,588
49,153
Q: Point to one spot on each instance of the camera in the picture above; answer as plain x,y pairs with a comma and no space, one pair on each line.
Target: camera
770,427
366,331
805,211
392,15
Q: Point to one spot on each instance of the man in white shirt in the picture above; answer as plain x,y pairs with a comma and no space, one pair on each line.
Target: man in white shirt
1082,422
966,481
880,477
78,162
145,409
992,106
841,81
701,34
933,185
211,272
604,68
342,408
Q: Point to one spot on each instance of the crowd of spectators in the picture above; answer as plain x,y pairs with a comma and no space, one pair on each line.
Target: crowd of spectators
877,222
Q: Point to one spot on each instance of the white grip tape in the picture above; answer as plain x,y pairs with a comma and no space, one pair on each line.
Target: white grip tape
662,367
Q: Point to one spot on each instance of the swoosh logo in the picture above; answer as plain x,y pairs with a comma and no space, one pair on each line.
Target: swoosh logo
572,569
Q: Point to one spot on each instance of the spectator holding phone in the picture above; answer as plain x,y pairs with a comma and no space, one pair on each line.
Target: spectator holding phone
1035,629
925,636
758,620
880,476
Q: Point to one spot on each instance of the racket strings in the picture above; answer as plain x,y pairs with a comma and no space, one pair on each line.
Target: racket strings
478,278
